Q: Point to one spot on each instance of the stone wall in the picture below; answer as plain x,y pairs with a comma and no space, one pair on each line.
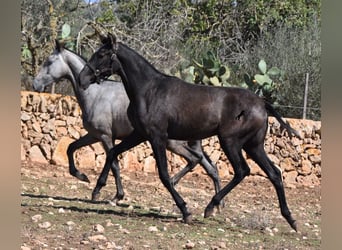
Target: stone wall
49,123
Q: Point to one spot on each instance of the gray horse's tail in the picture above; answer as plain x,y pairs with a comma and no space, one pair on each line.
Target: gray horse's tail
283,124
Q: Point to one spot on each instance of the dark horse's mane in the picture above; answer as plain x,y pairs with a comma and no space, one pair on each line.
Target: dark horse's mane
144,60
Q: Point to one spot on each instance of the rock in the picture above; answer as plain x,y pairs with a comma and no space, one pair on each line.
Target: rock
46,119
287,164
84,242
61,211
290,178
25,116
309,180
189,245
315,159
70,223
305,168
36,218
46,150
98,148
36,127
149,165
43,104
255,169
274,159
59,156
99,228
109,223
61,131
45,225
85,157
97,238
215,156
112,245
100,161
223,169
71,120
22,152
153,229
36,155
49,126
73,133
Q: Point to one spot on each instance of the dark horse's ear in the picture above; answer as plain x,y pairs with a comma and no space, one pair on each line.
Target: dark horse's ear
112,39
58,45
103,39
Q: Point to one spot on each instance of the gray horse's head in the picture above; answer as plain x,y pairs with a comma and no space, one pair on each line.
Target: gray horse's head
52,70
102,64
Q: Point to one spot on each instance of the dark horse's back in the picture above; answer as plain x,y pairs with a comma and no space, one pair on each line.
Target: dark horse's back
200,111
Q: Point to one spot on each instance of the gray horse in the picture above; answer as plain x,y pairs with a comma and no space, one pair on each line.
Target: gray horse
104,114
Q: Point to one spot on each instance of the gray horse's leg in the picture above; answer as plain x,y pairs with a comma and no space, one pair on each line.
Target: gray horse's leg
81,142
241,170
180,148
193,152
207,164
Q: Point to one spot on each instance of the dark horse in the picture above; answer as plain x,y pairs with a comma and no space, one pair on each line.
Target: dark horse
163,107
104,114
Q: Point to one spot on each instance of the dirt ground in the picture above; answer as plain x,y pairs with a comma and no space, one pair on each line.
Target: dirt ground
56,213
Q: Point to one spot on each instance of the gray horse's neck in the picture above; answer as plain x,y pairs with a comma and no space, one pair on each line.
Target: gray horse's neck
76,64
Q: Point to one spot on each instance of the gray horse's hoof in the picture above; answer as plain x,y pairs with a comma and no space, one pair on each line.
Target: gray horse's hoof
187,218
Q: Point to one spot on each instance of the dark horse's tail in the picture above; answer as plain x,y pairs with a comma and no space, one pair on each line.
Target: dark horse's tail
283,124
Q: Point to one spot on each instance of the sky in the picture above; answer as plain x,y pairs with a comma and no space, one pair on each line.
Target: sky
91,1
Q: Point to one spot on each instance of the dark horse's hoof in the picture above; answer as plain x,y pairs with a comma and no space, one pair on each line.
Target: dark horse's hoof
209,211
95,196
187,218
81,177
117,198
293,224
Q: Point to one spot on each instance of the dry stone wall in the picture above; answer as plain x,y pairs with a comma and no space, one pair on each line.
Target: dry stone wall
49,123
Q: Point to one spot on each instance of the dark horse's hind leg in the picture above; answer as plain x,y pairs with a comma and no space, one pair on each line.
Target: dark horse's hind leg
81,142
112,163
241,170
258,154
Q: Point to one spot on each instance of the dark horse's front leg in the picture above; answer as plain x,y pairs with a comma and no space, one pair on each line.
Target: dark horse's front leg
159,150
112,163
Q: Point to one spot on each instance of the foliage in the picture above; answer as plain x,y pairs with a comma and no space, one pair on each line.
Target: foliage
296,51
209,71
177,35
262,84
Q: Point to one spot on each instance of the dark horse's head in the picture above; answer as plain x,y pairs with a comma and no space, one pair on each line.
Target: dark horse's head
102,64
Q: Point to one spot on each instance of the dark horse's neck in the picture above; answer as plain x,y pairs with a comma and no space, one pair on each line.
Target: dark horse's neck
136,71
